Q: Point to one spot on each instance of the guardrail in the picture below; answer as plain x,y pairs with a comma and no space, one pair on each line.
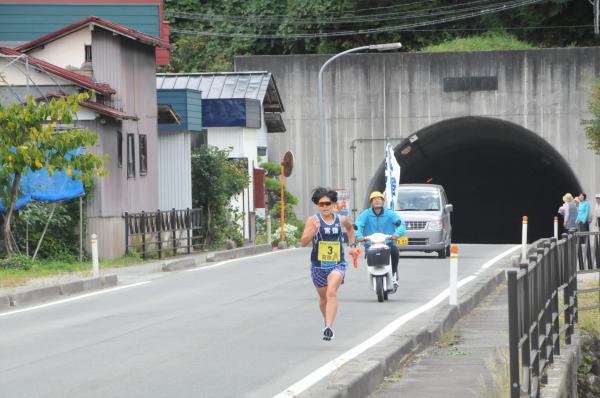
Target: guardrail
588,251
164,232
534,312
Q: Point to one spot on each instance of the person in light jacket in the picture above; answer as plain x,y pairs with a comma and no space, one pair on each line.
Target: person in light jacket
569,212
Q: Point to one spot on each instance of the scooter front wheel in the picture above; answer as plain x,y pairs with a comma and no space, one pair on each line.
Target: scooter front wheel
379,288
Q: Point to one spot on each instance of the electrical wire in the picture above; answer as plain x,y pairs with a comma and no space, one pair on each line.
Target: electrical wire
279,19
385,29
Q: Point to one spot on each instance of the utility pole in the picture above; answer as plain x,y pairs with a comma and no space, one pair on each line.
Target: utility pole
596,5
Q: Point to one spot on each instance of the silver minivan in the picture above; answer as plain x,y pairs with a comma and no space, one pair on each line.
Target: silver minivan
426,212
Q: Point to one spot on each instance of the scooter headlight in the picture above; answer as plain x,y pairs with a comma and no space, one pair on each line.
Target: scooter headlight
435,225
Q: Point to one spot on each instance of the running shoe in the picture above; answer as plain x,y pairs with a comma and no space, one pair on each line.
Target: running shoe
328,334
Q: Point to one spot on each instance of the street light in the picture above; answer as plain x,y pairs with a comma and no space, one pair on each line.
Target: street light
378,47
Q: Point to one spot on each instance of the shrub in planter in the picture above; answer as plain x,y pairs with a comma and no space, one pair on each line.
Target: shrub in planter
290,235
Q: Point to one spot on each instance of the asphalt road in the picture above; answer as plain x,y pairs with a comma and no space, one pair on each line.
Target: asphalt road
247,328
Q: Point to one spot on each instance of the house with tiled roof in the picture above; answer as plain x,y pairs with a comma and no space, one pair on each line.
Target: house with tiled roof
116,65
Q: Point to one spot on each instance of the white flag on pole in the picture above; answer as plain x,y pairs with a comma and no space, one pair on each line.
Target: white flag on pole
392,177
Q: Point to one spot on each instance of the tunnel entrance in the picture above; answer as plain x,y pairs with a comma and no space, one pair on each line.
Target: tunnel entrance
494,172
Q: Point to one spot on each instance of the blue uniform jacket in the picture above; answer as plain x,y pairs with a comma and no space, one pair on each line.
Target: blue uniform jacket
387,222
583,212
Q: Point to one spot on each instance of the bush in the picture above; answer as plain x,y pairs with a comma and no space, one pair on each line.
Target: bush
16,263
61,240
290,235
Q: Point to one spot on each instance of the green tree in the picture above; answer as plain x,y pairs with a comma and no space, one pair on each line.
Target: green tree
210,49
215,180
30,141
273,186
592,126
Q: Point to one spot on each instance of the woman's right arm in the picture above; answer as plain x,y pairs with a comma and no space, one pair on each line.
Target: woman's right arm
310,228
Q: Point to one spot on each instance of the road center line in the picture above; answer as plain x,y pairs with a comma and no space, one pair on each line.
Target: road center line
336,363
74,298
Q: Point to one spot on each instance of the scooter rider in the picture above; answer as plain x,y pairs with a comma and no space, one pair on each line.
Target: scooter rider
379,219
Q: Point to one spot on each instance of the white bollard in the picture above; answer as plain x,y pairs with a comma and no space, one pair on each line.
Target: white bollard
95,265
268,220
453,297
556,228
524,240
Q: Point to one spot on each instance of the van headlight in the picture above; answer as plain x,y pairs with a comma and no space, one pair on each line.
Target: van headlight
435,225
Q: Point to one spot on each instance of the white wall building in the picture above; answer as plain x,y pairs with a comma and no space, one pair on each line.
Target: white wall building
239,110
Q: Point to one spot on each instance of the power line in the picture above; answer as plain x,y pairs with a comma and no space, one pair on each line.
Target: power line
280,19
386,29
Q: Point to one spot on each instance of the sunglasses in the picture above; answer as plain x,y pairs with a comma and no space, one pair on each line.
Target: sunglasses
324,204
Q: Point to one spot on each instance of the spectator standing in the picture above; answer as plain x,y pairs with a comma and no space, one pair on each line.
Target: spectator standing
569,212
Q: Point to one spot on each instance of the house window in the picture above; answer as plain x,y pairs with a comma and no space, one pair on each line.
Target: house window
88,53
119,149
130,156
143,155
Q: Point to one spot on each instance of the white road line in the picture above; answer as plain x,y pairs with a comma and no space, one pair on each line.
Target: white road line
236,259
331,366
499,256
74,298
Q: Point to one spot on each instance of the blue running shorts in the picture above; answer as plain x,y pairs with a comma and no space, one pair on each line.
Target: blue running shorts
319,275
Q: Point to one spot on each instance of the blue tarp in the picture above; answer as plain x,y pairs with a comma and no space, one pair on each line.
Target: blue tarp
41,186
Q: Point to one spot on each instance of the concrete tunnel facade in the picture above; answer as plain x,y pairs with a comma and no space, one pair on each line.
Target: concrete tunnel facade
500,130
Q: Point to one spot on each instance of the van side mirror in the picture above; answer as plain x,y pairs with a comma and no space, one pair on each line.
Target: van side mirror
449,208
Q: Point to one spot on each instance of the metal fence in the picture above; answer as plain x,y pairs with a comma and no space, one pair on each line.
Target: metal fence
534,312
588,251
164,233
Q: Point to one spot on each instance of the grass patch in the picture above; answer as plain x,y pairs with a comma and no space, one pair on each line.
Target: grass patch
498,385
589,320
16,277
485,42
448,339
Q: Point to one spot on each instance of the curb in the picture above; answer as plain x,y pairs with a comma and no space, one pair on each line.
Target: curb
198,259
4,302
239,252
183,263
37,295
362,375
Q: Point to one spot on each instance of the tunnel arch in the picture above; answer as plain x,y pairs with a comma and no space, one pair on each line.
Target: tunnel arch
493,171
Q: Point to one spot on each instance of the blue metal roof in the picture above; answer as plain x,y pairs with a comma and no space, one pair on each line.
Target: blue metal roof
227,85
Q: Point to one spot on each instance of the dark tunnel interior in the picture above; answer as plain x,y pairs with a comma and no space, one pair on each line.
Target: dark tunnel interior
494,172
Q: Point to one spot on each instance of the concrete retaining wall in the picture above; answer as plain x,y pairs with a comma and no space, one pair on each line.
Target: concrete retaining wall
375,95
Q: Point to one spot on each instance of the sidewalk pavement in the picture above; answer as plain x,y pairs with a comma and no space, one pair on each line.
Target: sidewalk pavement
470,360
43,289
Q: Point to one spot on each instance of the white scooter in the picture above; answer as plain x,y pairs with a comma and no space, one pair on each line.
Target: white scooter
379,264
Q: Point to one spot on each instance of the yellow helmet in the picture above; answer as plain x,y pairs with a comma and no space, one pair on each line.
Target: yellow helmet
376,194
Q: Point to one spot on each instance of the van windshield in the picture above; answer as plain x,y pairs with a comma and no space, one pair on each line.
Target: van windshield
415,200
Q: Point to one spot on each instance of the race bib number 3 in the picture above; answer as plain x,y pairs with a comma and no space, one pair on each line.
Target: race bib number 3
329,251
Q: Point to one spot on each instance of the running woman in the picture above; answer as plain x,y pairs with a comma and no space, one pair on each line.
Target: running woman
328,266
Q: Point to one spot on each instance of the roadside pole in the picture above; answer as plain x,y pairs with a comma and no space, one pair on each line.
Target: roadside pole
524,239
282,202
95,265
453,296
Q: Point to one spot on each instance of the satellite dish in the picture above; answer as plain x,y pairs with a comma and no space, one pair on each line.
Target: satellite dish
288,163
